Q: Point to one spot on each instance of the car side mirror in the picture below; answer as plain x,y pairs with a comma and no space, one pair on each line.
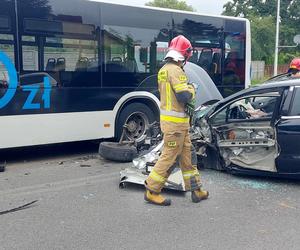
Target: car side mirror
284,112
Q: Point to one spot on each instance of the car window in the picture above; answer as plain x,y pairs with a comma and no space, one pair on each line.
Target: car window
249,108
219,118
295,110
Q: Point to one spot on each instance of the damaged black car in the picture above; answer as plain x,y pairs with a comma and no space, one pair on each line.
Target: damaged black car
255,131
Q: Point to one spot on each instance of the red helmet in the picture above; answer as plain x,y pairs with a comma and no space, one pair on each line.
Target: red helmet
181,45
295,64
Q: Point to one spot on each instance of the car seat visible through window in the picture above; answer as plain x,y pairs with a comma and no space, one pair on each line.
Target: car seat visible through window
205,59
194,57
61,64
82,64
51,63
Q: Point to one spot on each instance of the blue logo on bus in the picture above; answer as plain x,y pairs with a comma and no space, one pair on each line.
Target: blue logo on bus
32,89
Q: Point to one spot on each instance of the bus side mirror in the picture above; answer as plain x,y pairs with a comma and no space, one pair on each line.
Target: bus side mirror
144,55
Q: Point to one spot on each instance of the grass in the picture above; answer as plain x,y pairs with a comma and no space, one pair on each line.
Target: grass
258,81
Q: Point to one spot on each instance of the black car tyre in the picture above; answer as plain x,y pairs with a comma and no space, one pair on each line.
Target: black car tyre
137,116
2,168
117,152
211,160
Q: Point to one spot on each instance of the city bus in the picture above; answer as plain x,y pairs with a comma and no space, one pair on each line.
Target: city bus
79,70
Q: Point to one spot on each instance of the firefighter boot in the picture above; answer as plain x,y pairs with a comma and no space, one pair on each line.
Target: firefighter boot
156,199
199,195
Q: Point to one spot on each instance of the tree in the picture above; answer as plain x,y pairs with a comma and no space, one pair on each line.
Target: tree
261,14
263,38
289,11
171,4
35,8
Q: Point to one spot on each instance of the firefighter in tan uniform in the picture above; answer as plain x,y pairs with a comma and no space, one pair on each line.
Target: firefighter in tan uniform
175,96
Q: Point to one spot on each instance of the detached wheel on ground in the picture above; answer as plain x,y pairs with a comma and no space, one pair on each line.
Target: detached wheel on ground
137,117
115,151
2,167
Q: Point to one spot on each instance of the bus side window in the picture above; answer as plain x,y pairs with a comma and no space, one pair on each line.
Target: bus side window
216,63
6,47
235,57
67,47
205,59
138,39
194,57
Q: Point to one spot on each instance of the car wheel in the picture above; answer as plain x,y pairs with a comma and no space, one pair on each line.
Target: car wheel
137,117
211,159
117,151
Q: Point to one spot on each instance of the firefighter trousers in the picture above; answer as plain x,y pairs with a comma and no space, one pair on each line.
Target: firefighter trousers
177,149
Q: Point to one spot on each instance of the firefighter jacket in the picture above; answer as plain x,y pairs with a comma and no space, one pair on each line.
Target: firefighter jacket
175,92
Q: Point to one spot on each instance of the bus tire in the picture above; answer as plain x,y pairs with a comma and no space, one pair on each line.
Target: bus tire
137,116
117,151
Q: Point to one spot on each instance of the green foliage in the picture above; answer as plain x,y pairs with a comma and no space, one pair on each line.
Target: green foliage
35,8
171,4
262,15
257,81
286,57
263,38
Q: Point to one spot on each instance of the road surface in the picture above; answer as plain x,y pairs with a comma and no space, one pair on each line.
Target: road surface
80,206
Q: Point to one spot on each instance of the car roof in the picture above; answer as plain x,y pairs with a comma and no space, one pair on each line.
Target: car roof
279,83
265,85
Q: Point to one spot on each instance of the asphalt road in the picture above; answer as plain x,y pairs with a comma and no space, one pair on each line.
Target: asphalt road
81,207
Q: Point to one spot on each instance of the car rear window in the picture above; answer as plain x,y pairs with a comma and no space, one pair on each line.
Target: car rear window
295,110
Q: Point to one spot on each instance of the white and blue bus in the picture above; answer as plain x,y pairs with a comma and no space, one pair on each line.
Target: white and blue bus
73,70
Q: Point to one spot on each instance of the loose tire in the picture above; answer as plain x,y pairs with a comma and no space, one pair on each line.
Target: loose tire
117,152
2,168
137,116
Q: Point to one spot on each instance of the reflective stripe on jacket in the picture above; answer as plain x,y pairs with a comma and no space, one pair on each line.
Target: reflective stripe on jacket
173,80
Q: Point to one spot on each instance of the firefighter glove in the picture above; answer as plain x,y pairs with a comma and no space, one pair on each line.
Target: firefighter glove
190,107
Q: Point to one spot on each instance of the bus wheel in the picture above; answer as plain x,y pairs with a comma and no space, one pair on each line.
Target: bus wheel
137,117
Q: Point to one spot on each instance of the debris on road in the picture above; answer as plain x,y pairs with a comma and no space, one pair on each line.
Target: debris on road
128,149
142,166
85,165
285,205
18,208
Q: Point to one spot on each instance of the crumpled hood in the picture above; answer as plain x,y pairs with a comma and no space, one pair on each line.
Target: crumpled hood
207,89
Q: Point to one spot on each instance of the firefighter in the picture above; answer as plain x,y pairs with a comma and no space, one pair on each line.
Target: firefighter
295,67
177,104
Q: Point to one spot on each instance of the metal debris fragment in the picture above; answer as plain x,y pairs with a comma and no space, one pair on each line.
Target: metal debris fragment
18,208
85,165
285,205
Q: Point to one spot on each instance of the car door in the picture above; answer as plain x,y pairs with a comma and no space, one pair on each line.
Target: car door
288,133
244,134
